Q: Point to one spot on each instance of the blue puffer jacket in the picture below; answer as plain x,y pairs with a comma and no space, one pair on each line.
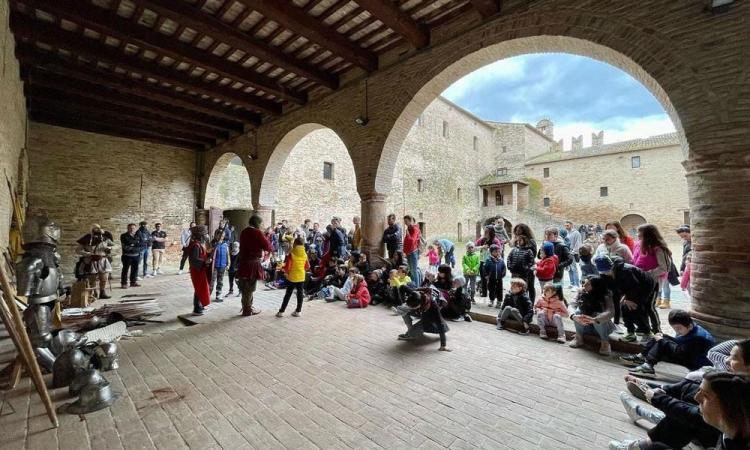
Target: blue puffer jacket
494,269
221,256
694,346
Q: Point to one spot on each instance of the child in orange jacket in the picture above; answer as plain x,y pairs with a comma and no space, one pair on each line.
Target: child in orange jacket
359,297
550,309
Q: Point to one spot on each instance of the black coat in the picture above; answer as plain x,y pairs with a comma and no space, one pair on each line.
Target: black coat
393,238
521,302
521,260
632,282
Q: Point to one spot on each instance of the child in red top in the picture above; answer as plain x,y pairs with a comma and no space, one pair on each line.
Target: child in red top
550,309
433,258
359,297
546,267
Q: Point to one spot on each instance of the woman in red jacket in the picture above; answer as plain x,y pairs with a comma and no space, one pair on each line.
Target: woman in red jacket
411,248
359,297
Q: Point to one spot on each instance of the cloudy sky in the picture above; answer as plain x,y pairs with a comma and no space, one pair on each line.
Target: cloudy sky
579,94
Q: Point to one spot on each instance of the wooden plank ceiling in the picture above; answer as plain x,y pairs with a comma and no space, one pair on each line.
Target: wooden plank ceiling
193,73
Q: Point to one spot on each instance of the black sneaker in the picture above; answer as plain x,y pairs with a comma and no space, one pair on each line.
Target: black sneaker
218,300
405,337
632,360
468,318
524,332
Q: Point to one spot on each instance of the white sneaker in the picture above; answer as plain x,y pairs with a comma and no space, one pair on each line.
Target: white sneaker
159,272
179,272
153,274
628,444
296,314
561,339
543,335
138,279
279,314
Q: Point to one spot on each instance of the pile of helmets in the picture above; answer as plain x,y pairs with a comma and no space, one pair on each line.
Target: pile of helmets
77,364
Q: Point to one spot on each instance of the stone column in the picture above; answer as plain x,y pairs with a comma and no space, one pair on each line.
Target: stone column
265,212
374,216
719,211
515,197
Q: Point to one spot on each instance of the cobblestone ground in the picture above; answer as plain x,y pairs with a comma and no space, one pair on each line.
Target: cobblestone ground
333,378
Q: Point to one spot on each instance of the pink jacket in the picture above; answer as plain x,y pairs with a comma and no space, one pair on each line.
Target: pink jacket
551,306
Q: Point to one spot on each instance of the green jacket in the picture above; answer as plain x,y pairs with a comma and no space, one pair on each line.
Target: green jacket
470,264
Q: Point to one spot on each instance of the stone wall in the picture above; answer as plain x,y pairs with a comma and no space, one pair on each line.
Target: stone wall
229,186
80,178
304,194
12,123
657,190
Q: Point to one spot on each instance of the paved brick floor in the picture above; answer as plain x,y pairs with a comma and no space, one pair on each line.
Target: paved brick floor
333,378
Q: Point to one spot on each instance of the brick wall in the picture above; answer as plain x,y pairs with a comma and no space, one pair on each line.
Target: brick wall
12,123
80,178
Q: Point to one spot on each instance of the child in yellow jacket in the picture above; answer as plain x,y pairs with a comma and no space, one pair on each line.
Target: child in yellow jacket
295,268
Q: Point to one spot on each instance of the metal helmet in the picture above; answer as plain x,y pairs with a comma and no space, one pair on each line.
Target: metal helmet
65,340
106,356
87,378
93,397
67,366
40,229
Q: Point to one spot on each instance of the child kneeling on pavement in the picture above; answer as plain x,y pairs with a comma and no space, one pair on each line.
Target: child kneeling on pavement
517,305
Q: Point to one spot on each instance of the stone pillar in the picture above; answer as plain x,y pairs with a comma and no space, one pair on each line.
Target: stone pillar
265,212
515,197
374,216
719,211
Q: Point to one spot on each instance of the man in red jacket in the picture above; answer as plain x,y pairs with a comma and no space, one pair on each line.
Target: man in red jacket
252,245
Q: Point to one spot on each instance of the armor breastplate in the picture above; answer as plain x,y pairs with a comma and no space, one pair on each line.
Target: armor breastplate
38,282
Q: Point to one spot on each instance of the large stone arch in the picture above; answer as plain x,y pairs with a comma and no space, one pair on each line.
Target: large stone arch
220,169
435,85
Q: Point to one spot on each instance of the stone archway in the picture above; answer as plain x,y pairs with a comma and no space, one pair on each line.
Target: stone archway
631,222
228,185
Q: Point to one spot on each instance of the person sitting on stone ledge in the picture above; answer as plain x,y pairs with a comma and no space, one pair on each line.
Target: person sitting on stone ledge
593,314
517,305
550,309
688,348
674,403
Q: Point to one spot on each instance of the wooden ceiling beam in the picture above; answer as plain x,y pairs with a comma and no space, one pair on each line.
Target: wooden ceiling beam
216,114
398,20
110,130
66,101
40,32
290,16
108,23
77,91
102,117
192,17
487,8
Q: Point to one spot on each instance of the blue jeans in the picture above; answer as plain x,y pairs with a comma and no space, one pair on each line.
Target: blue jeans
575,280
603,330
144,257
412,259
450,258
665,289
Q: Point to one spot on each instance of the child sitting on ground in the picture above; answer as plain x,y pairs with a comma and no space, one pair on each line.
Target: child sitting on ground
433,258
359,296
363,265
377,287
517,305
688,348
459,303
588,268
470,266
341,293
494,272
550,309
547,266
430,277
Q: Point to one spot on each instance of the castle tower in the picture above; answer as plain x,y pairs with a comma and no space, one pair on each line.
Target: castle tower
577,143
597,139
546,127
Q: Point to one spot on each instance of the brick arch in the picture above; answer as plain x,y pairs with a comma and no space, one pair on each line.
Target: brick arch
281,148
526,39
219,167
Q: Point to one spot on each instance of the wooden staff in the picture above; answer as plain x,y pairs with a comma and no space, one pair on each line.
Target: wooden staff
25,348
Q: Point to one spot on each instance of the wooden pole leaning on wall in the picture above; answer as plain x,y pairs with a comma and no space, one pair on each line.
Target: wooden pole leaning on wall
23,343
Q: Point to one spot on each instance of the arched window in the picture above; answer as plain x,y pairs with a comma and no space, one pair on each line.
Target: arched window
498,198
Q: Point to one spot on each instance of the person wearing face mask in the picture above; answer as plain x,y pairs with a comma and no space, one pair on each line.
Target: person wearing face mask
94,249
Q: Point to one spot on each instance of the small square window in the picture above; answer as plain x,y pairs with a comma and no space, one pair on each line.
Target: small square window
546,172
420,185
445,129
458,194
546,202
603,191
476,143
327,171
505,149
635,162
501,171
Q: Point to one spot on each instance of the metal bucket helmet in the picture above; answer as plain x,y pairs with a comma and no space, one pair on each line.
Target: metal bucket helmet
88,377
40,229
67,366
92,398
65,340
106,356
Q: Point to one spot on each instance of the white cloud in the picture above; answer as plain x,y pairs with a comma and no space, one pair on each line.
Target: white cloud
510,69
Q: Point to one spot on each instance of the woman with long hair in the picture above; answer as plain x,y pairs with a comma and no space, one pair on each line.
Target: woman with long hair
724,401
652,255
625,238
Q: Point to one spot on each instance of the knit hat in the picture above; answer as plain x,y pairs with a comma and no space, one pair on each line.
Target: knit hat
235,248
603,263
549,248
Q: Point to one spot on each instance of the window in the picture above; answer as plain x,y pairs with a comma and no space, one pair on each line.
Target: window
635,162
501,171
546,202
445,129
546,172
421,216
459,232
327,171
505,149
603,191
476,143
485,197
458,194
420,185
686,217
498,198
